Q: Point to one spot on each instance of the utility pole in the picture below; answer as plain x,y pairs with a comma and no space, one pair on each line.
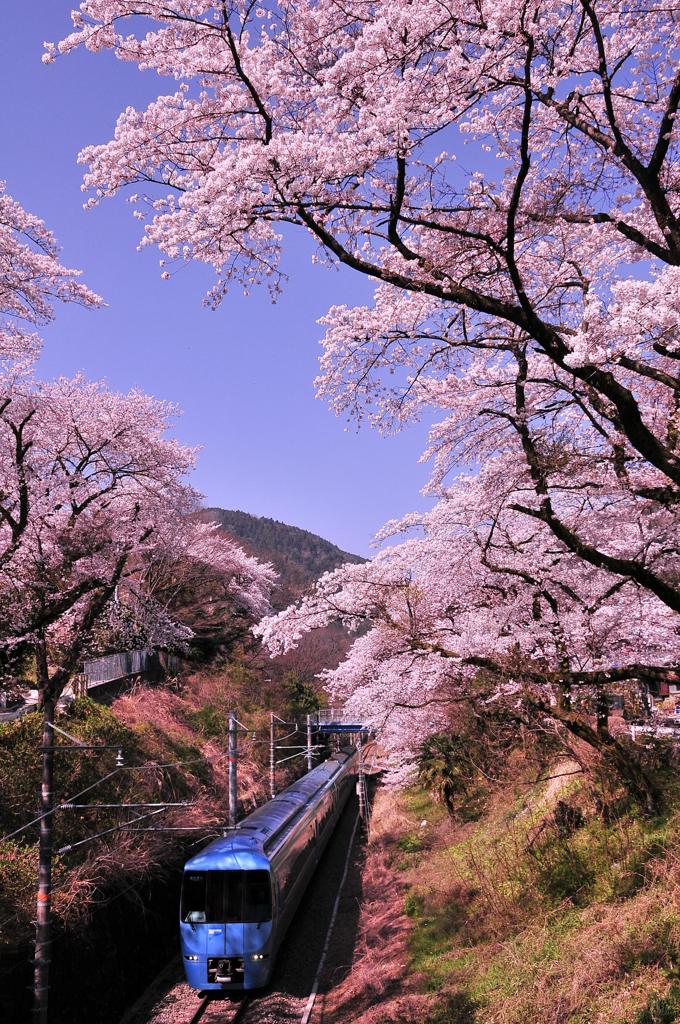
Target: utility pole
43,916
361,781
309,743
232,754
272,755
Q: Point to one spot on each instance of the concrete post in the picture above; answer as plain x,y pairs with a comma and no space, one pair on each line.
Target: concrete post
272,757
309,743
232,752
361,781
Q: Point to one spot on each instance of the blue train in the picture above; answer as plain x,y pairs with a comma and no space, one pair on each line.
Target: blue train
240,893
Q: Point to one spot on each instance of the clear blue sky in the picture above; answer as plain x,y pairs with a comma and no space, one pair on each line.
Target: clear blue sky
243,374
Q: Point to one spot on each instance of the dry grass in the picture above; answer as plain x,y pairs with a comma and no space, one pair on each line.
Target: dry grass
378,988
505,920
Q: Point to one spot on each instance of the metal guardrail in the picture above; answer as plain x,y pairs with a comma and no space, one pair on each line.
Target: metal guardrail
338,720
116,666
109,669
112,667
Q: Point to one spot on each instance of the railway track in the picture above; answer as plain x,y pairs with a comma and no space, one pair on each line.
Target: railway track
291,997
220,1010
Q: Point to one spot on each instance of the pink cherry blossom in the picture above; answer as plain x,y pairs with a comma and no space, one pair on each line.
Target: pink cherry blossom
509,177
94,499
31,279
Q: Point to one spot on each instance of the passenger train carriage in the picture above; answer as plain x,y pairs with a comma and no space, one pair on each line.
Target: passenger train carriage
240,893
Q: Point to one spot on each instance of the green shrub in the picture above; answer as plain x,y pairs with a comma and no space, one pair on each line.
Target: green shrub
450,772
566,873
661,1009
413,904
211,721
410,843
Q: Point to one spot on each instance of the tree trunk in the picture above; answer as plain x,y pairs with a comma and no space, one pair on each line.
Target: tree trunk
43,920
624,762
602,712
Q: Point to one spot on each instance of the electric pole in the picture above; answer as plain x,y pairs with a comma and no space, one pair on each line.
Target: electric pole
232,755
272,756
309,743
361,781
43,916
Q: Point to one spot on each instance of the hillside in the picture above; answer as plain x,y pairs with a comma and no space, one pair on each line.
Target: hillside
533,905
299,556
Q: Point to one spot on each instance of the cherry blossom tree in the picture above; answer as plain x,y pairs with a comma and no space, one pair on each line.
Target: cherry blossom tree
31,279
457,617
94,499
509,178
535,294
86,475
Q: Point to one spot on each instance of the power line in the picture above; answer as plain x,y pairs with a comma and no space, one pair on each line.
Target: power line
123,768
75,796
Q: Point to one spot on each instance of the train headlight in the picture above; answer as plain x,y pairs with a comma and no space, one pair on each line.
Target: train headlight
191,957
258,956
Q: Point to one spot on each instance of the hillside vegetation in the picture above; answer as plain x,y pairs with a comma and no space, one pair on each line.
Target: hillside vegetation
545,907
298,556
174,742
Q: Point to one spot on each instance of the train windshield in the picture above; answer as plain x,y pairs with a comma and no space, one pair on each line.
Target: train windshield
226,897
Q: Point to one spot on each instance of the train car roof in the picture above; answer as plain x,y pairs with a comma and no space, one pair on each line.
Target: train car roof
247,844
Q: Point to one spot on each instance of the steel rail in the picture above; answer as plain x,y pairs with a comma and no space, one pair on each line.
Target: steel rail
211,999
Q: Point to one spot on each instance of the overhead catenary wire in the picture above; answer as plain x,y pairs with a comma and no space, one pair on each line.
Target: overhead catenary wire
108,831
298,746
300,753
105,778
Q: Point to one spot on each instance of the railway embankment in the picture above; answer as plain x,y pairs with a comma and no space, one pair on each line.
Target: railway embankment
545,894
541,905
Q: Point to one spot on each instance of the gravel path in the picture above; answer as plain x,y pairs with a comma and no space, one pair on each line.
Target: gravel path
170,1001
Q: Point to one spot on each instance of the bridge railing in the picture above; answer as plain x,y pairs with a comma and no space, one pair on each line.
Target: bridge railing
113,667
338,719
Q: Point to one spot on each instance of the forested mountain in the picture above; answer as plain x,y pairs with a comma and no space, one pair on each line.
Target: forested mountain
298,556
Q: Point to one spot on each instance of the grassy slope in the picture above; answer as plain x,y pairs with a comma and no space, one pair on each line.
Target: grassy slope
503,920
185,731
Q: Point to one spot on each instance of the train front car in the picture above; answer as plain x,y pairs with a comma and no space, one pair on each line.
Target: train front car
226,918
240,894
